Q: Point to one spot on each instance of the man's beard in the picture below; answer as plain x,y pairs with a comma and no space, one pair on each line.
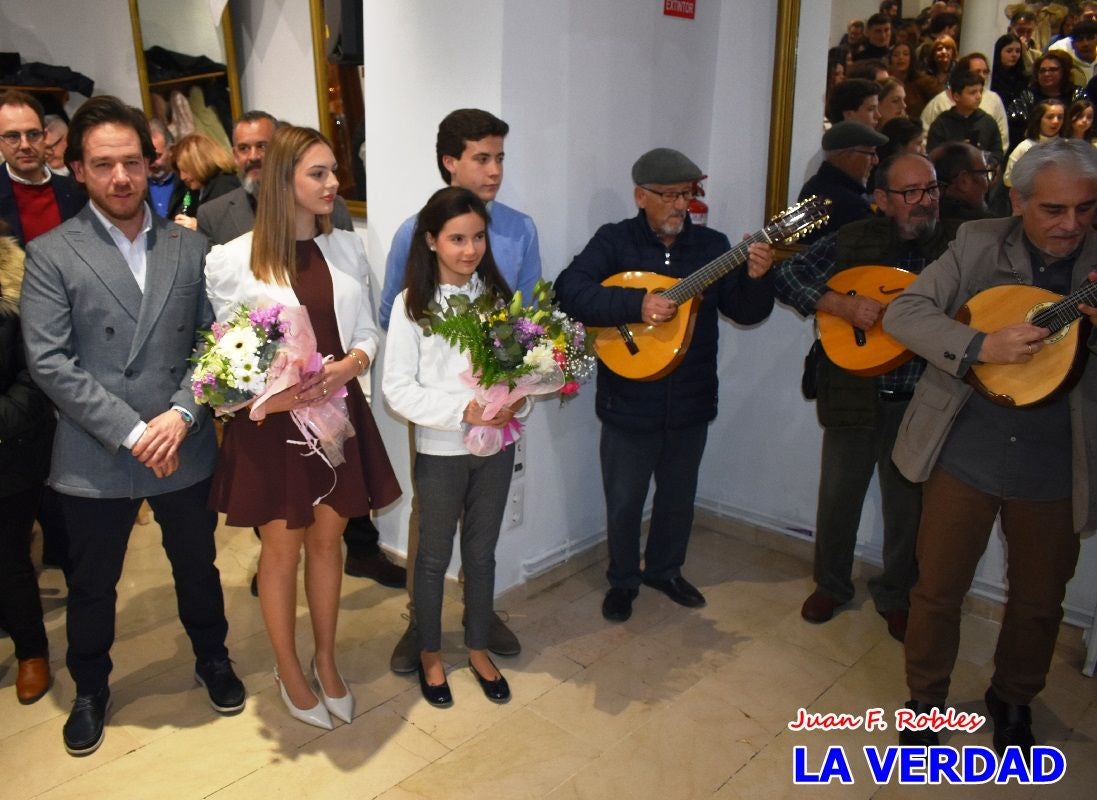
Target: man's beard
250,184
917,227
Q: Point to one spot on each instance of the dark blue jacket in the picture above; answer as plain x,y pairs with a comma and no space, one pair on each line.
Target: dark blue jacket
849,199
688,395
70,199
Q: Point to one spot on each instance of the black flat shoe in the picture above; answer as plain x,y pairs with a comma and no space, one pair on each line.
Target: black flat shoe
497,691
438,696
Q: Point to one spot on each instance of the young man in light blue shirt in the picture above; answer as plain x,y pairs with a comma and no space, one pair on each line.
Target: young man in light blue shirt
470,155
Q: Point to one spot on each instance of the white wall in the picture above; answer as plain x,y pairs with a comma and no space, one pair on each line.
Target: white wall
93,38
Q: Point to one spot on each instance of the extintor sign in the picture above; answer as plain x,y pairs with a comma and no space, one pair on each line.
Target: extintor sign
679,8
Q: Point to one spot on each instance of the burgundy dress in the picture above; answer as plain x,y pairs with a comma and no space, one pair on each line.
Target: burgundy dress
260,477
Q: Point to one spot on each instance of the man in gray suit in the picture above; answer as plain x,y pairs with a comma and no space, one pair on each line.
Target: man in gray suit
232,215
1032,466
112,302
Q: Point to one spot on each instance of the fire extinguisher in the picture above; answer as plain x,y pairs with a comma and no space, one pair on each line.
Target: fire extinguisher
698,209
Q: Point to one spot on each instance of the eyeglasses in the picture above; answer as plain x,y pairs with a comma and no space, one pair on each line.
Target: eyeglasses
869,153
671,197
13,138
1049,70
913,197
988,172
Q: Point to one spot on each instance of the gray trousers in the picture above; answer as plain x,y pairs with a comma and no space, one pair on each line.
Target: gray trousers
473,490
849,457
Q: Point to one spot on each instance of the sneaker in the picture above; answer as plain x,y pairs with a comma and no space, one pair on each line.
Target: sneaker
405,656
377,567
226,692
84,730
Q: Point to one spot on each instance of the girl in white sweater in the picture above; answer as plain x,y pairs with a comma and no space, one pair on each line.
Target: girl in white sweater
450,254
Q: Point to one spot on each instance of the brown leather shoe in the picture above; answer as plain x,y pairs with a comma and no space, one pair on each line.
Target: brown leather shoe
897,622
33,680
819,607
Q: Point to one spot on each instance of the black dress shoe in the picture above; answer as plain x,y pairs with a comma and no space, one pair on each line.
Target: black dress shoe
497,691
83,732
617,607
679,590
1012,724
896,619
255,585
438,696
226,693
376,567
926,738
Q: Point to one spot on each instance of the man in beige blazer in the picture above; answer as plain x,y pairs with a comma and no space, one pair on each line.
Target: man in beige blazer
1032,466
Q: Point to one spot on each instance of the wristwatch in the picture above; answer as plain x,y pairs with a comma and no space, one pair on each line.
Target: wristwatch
188,418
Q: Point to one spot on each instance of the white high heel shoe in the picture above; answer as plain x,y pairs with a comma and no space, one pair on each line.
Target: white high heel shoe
340,707
317,715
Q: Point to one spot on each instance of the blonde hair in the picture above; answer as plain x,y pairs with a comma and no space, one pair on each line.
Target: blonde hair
274,241
202,158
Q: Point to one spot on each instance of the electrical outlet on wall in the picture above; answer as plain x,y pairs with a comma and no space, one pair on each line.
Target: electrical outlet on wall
516,502
519,459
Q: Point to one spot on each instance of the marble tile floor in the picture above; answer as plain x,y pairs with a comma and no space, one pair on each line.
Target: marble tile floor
675,703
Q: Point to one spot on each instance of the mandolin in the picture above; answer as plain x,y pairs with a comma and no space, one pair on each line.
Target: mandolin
648,352
864,352
1059,361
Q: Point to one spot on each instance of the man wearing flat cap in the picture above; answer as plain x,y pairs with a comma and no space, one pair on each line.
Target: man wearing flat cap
849,154
861,415
658,427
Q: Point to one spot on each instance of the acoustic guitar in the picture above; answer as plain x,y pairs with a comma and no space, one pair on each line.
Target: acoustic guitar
864,352
648,352
1055,366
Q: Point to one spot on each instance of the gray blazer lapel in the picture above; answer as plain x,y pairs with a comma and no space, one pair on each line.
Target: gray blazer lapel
243,218
93,245
1017,254
161,266
1086,261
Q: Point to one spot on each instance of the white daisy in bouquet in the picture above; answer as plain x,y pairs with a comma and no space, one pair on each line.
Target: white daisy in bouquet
232,368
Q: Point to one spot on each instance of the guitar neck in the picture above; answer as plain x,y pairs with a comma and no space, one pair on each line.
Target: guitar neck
714,270
1062,313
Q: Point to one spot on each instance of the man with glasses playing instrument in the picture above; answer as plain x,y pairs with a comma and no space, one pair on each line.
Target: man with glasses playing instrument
657,428
860,415
33,199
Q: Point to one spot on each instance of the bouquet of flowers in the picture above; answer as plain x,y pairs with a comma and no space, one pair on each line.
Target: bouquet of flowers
514,351
257,354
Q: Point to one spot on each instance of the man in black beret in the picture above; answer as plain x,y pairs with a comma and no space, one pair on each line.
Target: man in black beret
657,425
849,154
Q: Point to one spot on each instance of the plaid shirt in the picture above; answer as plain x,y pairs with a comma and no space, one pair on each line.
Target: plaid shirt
802,280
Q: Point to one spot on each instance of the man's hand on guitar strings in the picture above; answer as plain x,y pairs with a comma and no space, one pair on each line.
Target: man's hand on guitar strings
1090,311
1013,344
657,308
860,312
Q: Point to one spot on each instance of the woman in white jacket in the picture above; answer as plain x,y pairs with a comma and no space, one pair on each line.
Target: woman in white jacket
450,254
263,478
